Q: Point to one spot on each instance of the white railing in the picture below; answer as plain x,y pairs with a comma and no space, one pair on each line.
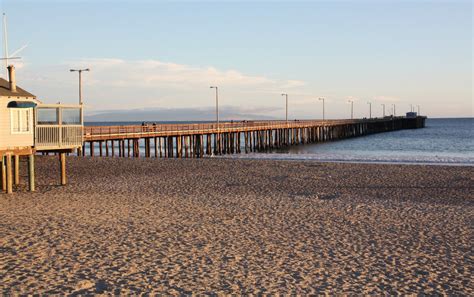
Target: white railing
49,137
58,126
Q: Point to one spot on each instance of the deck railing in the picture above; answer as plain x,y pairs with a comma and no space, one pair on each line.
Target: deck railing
58,127
58,136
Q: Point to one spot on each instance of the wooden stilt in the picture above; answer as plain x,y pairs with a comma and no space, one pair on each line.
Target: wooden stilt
62,161
17,170
4,174
31,172
9,174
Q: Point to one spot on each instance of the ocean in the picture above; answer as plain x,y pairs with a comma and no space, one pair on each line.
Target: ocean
443,141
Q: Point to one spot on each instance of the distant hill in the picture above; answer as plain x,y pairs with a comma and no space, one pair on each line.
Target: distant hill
178,114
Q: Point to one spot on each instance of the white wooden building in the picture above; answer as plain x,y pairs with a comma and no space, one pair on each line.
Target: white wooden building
16,116
27,126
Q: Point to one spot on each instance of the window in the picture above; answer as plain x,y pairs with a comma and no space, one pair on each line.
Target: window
47,116
71,116
21,120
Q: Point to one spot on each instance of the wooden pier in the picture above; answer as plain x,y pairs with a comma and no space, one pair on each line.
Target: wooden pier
206,139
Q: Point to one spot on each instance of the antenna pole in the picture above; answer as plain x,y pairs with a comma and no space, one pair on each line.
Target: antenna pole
5,43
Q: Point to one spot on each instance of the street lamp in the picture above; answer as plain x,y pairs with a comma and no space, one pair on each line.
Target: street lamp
286,95
418,110
322,99
370,109
217,105
411,107
352,108
383,104
394,111
80,81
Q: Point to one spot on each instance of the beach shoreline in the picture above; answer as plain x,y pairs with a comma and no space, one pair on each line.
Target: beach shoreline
284,157
226,225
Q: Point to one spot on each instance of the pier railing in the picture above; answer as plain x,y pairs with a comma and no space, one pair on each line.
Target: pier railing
96,132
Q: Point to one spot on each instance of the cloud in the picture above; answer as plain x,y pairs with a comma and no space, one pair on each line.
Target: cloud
120,84
227,113
155,73
386,99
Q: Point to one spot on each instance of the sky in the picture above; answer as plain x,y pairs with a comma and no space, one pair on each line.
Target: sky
154,55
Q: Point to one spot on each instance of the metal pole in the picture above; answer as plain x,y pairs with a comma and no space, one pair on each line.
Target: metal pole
394,111
217,108
418,109
383,109
352,109
286,95
324,116
80,81
370,109
80,87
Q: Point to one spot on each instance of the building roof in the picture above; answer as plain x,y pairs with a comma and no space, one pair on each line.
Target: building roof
5,90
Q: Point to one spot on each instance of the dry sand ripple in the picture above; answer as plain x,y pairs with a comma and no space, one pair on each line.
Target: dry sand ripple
239,226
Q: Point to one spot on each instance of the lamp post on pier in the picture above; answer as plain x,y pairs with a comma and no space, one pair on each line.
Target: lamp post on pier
394,111
217,105
383,104
286,95
322,99
352,108
80,81
418,110
370,109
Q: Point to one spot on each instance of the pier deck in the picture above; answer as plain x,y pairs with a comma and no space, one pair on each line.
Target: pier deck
201,139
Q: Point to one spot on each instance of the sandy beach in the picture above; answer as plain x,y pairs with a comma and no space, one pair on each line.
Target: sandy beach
128,226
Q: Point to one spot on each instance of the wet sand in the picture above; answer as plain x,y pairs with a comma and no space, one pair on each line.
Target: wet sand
126,226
